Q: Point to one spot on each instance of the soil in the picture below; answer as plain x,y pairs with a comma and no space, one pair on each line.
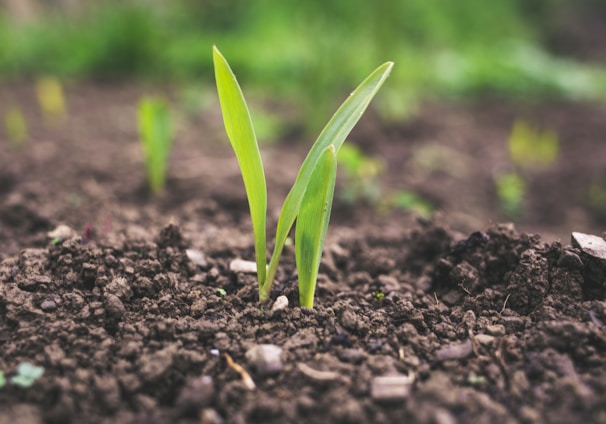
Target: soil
132,312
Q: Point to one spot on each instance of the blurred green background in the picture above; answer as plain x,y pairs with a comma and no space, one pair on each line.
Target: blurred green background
308,52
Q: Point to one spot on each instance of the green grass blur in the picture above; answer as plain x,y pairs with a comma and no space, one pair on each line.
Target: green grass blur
309,51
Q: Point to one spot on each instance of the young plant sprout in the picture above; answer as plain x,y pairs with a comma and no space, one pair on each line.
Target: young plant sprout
15,126
155,133
309,201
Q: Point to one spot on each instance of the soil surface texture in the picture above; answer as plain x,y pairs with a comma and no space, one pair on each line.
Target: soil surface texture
130,304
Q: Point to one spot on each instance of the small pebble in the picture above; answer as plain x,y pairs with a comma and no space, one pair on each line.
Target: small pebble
388,388
455,351
197,257
114,306
265,358
61,232
280,304
239,265
48,306
592,245
318,375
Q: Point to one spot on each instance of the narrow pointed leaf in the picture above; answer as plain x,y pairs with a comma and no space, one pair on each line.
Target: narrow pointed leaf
238,126
335,132
312,223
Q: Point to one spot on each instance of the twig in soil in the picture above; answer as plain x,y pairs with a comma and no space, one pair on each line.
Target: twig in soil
464,288
505,303
246,378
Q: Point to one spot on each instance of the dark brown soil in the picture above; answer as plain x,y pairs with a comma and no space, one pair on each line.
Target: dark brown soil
475,321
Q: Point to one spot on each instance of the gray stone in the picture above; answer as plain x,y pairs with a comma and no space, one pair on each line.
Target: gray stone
265,358
391,387
48,305
455,351
591,245
114,306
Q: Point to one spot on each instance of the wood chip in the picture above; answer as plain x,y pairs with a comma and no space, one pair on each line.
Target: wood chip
246,378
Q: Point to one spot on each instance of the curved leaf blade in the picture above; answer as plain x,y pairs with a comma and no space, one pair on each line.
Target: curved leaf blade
335,132
241,134
312,223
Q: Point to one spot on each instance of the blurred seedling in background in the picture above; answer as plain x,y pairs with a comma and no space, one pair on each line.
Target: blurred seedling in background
362,184
596,198
361,175
51,99
411,201
309,201
511,189
530,150
15,127
155,134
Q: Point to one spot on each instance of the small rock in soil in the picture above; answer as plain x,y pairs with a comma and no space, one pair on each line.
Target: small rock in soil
62,232
592,245
455,351
239,265
390,388
318,375
48,306
265,358
197,257
114,306
280,304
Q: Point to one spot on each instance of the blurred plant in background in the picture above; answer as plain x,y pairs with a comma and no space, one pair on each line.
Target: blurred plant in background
462,48
531,150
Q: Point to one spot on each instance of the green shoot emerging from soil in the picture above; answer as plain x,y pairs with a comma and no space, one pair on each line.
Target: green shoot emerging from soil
155,133
309,201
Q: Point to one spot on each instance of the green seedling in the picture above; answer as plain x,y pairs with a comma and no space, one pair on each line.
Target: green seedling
411,201
361,174
379,296
50,98
309,201
529,147
2,379
15,126
221,292
26,375
510,190
155,134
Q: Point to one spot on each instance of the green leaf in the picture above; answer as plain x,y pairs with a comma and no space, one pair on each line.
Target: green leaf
312,224
155,132
239,128
335,132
